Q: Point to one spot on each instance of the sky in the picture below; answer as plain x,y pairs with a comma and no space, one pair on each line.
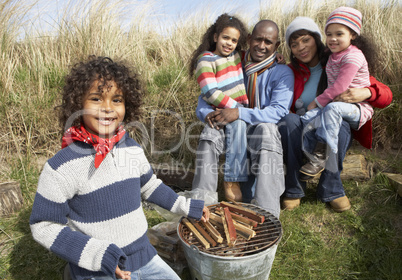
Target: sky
45,14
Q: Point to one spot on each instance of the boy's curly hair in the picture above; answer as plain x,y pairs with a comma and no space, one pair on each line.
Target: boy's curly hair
103,69
207,42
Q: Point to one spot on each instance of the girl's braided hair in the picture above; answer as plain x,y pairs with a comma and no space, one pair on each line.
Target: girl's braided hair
102,69
207,42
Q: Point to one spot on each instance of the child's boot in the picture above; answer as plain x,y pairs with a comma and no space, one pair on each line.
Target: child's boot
290,203
232,191
317,163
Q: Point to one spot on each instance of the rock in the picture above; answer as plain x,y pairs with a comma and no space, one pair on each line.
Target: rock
395,180
10,198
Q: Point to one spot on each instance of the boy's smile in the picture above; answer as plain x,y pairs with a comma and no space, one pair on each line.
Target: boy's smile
104,109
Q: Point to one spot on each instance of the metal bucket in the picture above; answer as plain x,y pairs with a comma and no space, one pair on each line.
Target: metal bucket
210,267
254,266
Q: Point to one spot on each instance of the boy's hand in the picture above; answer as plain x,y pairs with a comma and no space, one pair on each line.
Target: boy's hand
120,274
312,105
205,214
280,58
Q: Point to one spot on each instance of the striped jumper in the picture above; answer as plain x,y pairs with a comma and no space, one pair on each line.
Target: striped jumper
93,217
221,80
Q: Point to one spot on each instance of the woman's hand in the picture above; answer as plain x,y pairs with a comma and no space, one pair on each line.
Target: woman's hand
205,214
121,274
354,95
312,105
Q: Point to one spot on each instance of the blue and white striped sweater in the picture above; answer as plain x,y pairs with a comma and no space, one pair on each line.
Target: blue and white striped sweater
93,218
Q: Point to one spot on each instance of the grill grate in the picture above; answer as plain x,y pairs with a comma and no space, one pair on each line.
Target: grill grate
267,234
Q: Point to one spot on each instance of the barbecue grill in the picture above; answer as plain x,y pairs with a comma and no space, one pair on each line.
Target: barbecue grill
247,259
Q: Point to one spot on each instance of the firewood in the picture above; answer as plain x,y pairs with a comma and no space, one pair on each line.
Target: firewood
226,230
244,220
196,233
244,211
203,232
212,231
231,227
243,231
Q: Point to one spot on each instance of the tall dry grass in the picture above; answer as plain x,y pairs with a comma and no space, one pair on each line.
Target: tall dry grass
32,68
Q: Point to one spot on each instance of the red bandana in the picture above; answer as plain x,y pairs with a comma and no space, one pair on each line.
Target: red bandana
101,145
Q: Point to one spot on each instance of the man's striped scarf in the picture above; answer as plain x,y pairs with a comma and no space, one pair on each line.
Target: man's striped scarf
252,70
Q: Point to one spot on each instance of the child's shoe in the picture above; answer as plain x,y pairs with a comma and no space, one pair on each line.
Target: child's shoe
340,204
305,178
317,163
290,203
232,191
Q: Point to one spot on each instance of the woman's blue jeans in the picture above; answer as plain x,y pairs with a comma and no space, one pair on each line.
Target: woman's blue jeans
330,184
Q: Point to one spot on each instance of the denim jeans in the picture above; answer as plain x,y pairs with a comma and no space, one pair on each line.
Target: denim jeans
235,169
330,184
326,124
155,269
266,175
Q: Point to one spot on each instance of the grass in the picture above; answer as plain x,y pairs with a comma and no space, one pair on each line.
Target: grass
364,243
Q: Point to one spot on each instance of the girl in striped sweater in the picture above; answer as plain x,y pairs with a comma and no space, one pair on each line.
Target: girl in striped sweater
88,208
217,66
347,67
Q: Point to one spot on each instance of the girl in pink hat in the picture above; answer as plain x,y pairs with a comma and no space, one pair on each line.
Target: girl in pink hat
347,67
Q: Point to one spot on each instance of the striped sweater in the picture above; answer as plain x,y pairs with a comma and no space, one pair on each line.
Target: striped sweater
347,69
93,218
221,80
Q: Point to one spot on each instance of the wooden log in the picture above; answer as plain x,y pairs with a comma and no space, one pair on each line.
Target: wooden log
244,211
242,230
10,198
231,227
356,167
226,230
203,232
196,233
244,220
212,231
174,176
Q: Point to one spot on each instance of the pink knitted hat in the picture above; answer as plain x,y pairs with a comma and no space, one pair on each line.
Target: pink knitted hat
350,17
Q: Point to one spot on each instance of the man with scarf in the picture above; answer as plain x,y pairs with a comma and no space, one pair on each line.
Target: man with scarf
270,92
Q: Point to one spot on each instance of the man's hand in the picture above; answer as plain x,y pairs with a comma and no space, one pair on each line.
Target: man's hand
221,117
312,105
280,59
353,95
209,119
121,274
225,116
